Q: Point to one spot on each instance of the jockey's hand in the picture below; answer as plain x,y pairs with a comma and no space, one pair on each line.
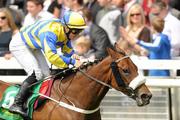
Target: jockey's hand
75,56
78,63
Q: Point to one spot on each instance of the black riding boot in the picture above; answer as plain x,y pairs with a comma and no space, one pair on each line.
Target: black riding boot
22,96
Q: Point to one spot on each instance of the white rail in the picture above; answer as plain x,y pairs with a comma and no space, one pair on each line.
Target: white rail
142,63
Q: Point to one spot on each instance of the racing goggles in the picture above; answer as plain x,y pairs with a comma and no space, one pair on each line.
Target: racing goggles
76,31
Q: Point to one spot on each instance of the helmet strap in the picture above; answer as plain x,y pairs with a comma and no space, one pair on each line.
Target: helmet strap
67,32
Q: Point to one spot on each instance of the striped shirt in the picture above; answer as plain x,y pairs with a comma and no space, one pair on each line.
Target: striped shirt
49,35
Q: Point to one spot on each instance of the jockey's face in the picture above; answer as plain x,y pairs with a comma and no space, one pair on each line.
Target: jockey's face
73,36
72,33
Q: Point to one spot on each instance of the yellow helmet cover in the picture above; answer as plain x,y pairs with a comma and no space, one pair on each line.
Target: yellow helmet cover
74,20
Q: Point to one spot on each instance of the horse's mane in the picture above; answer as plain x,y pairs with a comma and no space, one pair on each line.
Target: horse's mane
90,63
85,66
59,73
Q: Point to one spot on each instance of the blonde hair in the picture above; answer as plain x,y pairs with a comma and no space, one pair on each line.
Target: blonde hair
9,18
138,7
83,41
158,24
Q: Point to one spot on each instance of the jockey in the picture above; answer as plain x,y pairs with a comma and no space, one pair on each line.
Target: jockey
35,42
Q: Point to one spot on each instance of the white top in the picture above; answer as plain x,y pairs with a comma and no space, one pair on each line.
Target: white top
110,22
29,19
172,30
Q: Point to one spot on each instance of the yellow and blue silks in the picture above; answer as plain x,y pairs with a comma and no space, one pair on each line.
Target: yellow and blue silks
49,35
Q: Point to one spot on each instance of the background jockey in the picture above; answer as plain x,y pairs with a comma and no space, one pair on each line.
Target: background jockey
46,36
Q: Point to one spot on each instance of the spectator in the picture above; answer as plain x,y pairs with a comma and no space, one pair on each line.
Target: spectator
18,16
35,12
76,5
125,11
171,27
55,8
65,8
113,20
136,28
94,7
172,7
106,7
82,48
99,38
146,4
158,49
136,24
7,30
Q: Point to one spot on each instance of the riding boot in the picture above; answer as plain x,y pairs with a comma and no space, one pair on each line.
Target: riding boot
22,96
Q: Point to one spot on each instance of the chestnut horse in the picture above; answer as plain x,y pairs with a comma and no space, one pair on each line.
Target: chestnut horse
78,96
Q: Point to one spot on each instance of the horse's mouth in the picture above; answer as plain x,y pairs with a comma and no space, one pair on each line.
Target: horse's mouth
143,99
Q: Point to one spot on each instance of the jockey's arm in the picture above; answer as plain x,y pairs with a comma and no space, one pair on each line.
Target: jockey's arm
67,49
50,50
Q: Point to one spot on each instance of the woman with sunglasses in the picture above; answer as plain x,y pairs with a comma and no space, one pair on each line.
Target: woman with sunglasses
46,36
7,30
136,28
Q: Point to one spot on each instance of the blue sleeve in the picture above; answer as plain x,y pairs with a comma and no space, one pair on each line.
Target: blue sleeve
155,46
48,40
67,49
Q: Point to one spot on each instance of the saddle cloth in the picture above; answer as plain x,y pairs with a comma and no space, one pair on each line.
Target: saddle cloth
33,102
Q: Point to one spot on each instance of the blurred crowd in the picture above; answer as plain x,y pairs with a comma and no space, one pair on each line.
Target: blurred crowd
149,28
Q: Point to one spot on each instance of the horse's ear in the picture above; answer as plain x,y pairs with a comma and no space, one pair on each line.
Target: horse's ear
115,44
110,51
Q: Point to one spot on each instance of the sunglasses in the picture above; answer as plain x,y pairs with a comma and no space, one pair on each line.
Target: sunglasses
135,14
76,31
3,17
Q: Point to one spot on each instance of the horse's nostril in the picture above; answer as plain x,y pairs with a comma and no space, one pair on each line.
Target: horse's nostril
146,96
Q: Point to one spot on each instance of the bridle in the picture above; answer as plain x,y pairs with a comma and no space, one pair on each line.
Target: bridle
118,78
130,88
117,75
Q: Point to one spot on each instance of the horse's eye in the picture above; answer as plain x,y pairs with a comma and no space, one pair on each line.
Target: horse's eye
126,71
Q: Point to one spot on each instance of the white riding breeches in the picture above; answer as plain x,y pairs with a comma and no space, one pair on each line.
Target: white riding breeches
30,59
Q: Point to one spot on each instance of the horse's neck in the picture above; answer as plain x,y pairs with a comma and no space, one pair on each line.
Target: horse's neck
84,92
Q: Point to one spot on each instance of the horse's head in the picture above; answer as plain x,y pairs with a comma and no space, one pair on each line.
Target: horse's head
125,77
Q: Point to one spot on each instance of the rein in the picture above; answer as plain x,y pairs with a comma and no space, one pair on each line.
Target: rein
114,67
65,105
99,81
74,108
95,79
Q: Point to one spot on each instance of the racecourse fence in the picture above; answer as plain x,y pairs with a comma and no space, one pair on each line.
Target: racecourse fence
116,106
